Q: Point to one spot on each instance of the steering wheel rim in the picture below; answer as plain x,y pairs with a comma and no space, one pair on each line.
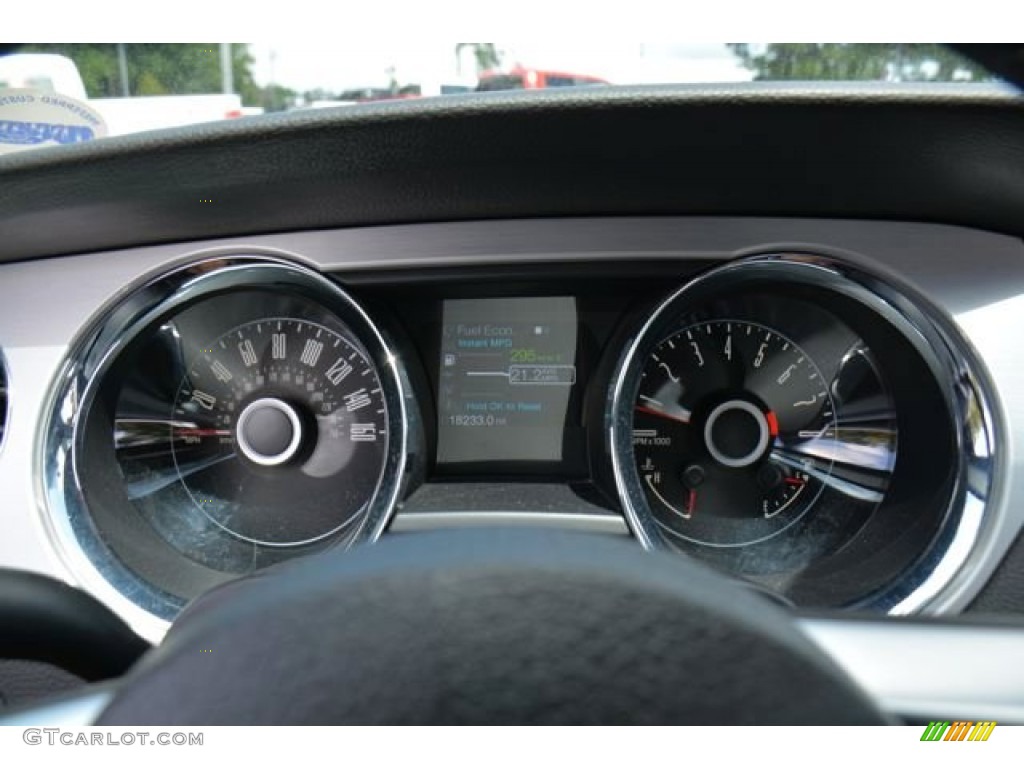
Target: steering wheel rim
487,627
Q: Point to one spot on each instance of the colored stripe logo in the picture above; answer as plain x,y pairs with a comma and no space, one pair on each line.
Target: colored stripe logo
961,730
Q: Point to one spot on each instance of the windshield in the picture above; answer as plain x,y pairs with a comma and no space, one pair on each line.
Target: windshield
65,93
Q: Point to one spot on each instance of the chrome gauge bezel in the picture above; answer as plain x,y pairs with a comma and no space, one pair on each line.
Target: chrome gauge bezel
66,514
5,400
959,373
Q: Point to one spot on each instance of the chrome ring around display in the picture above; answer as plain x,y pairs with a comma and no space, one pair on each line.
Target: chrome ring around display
66,516
265,459
763,434
980,473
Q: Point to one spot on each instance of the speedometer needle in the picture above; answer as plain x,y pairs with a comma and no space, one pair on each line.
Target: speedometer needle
682,418
189,432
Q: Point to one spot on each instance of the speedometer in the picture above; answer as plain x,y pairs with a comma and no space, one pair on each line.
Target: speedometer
278,431
226,416
734,427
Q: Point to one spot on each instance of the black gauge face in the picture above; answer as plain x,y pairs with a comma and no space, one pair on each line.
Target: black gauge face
733,429
278,431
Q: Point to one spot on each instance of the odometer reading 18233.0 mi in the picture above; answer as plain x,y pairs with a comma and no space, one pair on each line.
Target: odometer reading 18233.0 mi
728,427
279,431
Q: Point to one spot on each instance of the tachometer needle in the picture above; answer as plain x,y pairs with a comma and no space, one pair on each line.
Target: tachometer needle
189,432
683,416
795,481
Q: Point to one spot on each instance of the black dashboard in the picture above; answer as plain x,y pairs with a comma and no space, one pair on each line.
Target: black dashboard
784,352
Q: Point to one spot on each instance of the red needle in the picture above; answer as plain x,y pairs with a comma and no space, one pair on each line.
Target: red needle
691,503
794,481
187,431
652,412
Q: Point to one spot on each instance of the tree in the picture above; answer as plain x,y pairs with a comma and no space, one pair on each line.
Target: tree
156,69
485,55
856,61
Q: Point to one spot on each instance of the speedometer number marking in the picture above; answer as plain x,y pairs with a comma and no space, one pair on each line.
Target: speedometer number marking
362,433
220,371
278,346
245,349
203,399
311,352
356,400
337,372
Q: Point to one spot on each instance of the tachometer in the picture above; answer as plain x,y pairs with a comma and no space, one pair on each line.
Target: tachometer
734,425
798,422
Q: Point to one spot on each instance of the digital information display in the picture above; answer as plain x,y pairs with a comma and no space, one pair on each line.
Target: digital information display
508,369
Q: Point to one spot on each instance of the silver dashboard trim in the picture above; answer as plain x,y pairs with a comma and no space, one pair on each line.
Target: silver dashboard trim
431,521
5,399
79,710
930,670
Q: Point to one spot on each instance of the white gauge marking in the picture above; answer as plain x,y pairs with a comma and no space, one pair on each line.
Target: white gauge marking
337,372
278,346
311,352
245,349
760,355
786,374
363,433
356,400
700,357
650,484
203,399
220,371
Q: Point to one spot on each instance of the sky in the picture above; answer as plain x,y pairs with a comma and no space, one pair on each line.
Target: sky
336,67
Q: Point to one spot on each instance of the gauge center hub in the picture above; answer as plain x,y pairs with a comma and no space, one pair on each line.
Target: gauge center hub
736,433
269,431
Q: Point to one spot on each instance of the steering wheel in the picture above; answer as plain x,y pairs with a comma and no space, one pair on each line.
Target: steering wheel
485,627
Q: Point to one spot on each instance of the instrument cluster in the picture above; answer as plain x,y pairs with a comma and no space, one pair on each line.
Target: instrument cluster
791,420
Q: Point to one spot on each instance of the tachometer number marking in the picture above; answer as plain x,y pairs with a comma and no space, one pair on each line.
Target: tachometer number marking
760,354
668,372
697,354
